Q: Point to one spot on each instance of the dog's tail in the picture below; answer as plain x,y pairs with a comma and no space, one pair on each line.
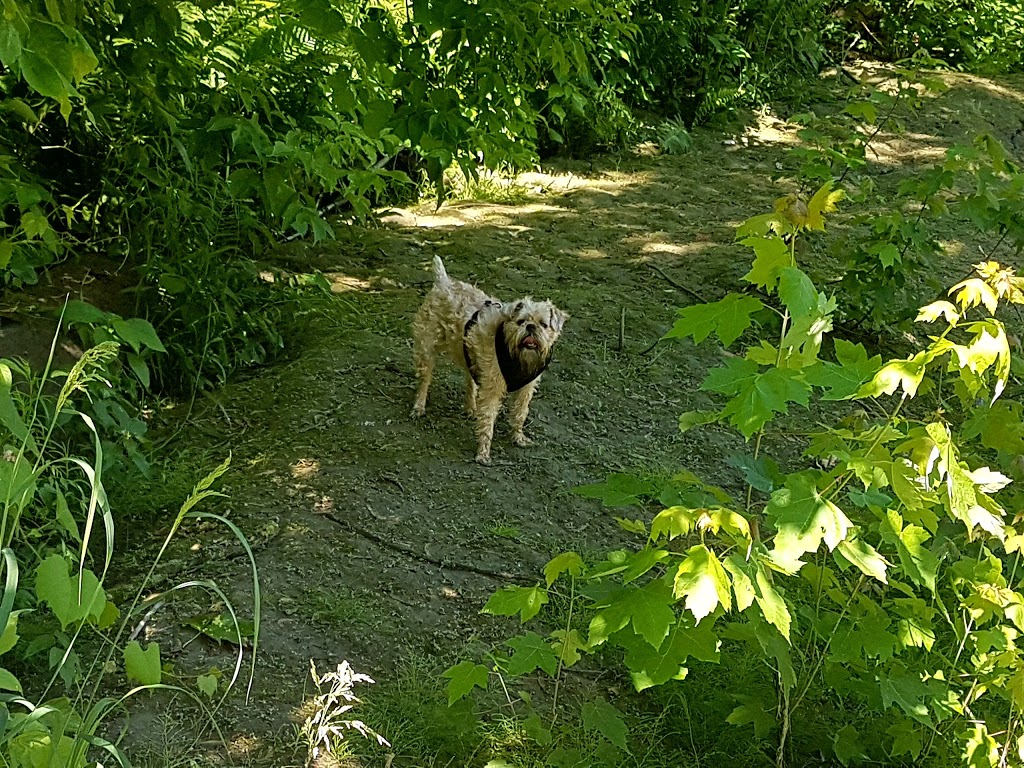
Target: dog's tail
441,279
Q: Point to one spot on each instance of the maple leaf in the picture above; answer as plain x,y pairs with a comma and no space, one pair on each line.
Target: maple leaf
602,717
674,521
649,666
909,693
937,309
907,374
617,490
761,473
797,292
508,601
727,319
844,379
771,254
907,739
918,563
803,518
754,711
463,678
567,561
648,609
974,291
751,582
865,557
703,582
568,646
756,396
531,652
692,419
824,201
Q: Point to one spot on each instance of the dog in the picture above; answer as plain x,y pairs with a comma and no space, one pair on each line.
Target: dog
502,348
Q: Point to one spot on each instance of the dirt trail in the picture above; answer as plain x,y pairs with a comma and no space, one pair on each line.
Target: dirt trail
376,535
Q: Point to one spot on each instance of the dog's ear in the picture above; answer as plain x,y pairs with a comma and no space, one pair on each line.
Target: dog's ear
558,318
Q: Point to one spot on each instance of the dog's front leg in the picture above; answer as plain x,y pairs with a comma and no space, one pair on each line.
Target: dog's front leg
518,411
488,403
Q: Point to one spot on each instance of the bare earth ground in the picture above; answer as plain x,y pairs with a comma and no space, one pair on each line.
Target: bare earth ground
370,528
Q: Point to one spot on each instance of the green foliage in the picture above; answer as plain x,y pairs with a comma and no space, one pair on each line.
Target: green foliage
980,35
881,589
57,543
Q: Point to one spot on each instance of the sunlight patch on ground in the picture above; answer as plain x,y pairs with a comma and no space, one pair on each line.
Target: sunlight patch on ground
462,214
305,468
675,249
590,253
770,130
951,247
897,150
344,283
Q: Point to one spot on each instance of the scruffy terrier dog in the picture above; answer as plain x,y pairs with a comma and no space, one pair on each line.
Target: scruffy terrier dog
503,349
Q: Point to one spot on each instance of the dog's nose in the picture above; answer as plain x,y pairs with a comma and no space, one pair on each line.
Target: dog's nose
530,327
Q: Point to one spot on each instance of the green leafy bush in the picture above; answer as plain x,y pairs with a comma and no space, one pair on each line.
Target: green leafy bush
980,35
877,581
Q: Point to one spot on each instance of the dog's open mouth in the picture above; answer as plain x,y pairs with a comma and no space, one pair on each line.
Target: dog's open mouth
529,343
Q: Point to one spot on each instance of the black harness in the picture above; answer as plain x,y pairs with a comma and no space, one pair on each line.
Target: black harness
516,377
465,336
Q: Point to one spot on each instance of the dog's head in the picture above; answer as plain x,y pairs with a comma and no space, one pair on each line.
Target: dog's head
532,328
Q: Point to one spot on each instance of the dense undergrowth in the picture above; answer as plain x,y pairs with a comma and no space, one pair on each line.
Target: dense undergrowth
184,139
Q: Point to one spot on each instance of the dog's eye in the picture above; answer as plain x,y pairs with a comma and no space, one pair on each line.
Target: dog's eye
520,322
543,325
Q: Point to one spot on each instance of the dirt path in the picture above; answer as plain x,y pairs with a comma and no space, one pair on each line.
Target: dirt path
377,536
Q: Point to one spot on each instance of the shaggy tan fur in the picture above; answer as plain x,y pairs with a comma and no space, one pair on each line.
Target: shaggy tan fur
500,347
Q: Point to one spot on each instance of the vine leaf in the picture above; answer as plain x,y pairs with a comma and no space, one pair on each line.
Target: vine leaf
702,582
463,678
60,591
727,319
143,666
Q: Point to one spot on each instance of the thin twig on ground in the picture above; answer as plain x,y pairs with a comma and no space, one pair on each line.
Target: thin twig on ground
676,285
412,553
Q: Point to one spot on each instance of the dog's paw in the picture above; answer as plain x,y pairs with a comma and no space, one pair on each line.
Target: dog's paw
521,440
484,459
419,411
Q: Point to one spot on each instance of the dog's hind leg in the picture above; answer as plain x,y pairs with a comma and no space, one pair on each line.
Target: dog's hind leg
470,395
424,357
